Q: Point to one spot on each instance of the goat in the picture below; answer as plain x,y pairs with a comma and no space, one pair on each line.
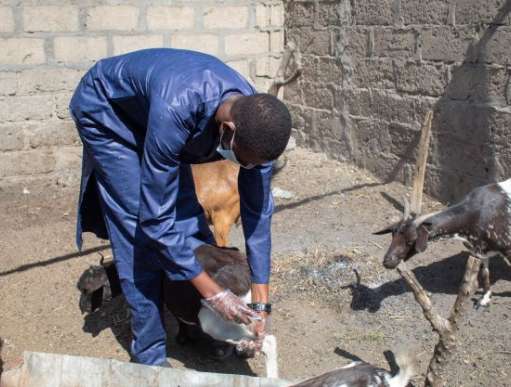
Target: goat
482,220
227,266
216,186
362,374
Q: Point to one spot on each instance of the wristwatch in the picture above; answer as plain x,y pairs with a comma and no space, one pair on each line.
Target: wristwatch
260,307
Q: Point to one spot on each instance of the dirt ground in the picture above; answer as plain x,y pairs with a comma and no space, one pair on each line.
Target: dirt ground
319,237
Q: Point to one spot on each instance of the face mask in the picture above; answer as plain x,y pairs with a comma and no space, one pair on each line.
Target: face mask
229,154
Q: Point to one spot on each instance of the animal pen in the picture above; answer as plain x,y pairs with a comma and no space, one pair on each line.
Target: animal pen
389,99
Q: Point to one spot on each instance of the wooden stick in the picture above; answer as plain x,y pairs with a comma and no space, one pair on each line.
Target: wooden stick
447,341
445,328
280,79
420,166
438,323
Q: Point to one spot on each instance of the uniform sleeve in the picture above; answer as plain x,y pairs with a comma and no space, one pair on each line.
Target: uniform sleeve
256,207
166,136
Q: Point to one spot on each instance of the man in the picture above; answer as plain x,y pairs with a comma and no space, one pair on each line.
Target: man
143,118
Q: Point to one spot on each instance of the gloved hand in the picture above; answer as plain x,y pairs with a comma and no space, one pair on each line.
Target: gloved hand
231,308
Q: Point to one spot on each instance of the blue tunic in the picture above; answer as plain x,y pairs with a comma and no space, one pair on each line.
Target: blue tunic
143,118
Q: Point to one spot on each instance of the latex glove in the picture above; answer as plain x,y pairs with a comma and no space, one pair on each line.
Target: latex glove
231,308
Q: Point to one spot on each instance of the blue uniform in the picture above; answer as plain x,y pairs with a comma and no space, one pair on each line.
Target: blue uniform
143,118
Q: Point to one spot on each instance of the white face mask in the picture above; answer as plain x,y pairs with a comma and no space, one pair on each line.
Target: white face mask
229,154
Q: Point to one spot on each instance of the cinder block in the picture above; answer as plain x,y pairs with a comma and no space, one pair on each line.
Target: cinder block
476,82
300,13
50,133
42,80
124,44
25,108
247,43
404,140
370,12
50,18
262,15
8,83
267,66
277,15
425,12
351,42
385,105
11,137
62,104
241,66
392,43
225,17
416,78
6,20
293,93
318,96
310,41
26,163
207,43
329,70
277,41
71,49
22,51
475,12
373,73
68,157
497,49
170,18
446,43
118,17
330,14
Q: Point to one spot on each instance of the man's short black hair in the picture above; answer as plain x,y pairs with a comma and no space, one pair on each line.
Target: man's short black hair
263,125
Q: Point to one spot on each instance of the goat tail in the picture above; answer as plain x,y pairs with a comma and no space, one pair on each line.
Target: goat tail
407,364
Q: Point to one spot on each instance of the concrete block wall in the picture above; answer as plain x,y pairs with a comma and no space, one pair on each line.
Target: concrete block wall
47,45
372,69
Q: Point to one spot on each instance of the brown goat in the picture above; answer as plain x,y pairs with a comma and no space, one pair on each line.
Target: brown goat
216,186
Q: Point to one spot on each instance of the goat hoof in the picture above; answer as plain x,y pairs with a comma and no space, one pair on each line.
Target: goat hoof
484,301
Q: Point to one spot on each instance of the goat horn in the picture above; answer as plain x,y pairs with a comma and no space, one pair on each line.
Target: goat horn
406,210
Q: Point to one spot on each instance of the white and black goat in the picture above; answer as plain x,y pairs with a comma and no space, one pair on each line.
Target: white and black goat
362,374
482,220
227,266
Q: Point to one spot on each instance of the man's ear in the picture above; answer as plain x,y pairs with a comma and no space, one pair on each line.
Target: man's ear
422,238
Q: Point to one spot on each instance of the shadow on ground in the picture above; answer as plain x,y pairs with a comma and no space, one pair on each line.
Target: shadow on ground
442,276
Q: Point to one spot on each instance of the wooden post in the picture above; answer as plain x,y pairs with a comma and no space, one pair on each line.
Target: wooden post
445,328
420,166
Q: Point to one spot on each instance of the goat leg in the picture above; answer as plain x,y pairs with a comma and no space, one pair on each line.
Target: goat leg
485,271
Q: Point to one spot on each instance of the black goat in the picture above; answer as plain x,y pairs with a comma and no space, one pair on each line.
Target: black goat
482,220
362,374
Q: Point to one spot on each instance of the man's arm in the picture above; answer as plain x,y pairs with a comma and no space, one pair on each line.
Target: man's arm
166,136
256,207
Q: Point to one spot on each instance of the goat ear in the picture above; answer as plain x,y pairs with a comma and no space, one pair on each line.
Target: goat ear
422,238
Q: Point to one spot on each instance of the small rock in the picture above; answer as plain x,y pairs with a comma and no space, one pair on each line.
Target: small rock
25,191
282,193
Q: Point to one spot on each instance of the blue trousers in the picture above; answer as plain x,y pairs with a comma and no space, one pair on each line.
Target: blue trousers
114,165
